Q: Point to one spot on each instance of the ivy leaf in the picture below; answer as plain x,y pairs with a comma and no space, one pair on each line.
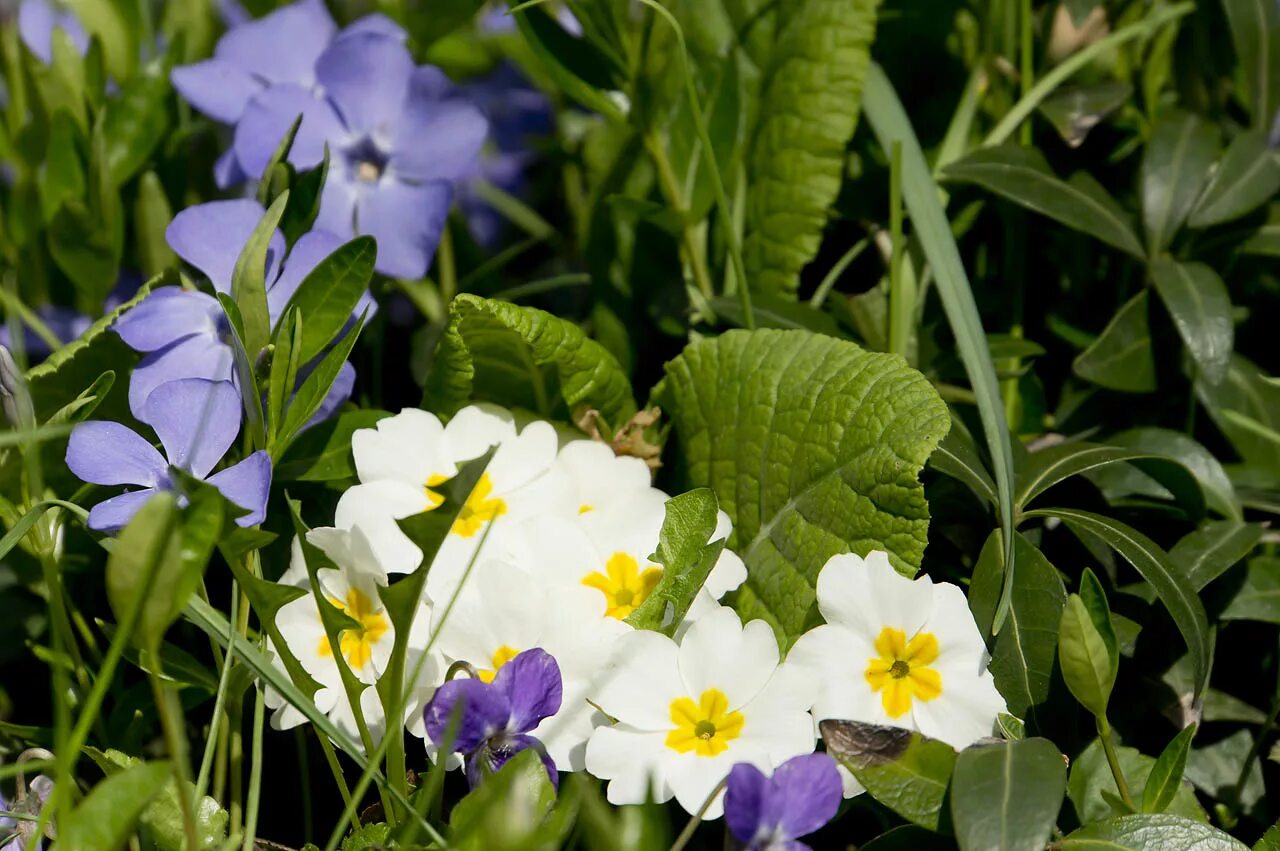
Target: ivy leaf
106,817
1121,358
1198,301
525,358
1149,832
686,557
1177,160
1007,796
808,109
907,772
813,447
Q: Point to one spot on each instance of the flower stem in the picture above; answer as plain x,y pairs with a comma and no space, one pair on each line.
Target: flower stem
176,744
685,835
670,186
1109,748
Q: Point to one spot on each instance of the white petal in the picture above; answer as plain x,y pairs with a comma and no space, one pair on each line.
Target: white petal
632,760
692,778
600,477
959,642
476,428
375,508
518,462
641,680
837,658
964,712
408,447
849,784
556,551
719,652
728,574
867,595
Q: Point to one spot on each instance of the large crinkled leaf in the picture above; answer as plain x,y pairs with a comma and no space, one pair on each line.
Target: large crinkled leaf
813,446
808,110
1150,832
525,358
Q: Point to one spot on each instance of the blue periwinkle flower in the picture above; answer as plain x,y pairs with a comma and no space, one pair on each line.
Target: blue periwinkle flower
37,21
771,813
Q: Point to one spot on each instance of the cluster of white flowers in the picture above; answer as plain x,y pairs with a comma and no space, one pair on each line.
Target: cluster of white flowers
552,550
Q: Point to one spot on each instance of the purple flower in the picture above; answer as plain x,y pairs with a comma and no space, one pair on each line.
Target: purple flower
197,421
770,813
17,834
496,717
37,20
65,323
185,333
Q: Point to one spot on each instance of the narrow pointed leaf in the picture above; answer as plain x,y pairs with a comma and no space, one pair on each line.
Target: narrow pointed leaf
1198,301
1166,775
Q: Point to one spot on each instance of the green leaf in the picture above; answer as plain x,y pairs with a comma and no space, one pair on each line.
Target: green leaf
1023,654
315,388
370,837
1215,769
1270,840
63,178
1178,158
808,109
1246,177
1022,176
1166,775
1087,647
329,294
162,819
1246,391
1149,833
322,453
86,239
249,280
907,772
525,358
1259,597
1198,301
726,127
813,447
506,809
577,66
115,25
137,120
1255,30
283,376
686,558
105,819
909,837
148,545
771,311
1121,358
304,200
1007,796
1214,548
1147,476
889,120
151,215
958,458
1047,467
1075,110
1090,776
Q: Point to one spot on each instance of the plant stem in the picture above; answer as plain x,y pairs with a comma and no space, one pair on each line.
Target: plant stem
902,288
175,743
1109,748
685,835
448,269
670,186
255,773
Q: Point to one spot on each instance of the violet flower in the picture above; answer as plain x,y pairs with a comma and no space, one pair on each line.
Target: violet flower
37,21
18,834
497,716
185,333
197,421
771,813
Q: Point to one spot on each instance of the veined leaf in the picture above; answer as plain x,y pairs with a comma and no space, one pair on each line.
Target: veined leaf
248,281
1245,390
1255,29
1007,796
687,554
1121,358
1245,178
1166,775
813,447
958,458
1214,548
808,109
1177,161
1198,301
1023,176
1049,466
1087,647
1149,832
1202,478
330,292
1259,598
527,358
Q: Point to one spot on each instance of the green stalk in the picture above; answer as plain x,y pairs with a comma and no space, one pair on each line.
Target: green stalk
255,774
902,288
219,706
1109,748
176,745
670,186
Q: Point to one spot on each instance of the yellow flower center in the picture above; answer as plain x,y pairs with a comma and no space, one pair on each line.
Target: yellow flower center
584,508
705,727
501,656
623,584
479,509
900,672
357,643
434,498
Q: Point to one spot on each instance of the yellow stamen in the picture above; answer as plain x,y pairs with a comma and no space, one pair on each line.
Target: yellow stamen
357,644
501,656
900,672
705,727
623,584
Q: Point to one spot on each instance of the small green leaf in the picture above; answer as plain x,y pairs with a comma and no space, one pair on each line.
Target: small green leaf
1177,161
1022,176
304,200
1255,30
686,557
1198,301
151,215
1192,476
1246,391
526,358
957,456
328,295
1245,178
1121,358
1149,833
249,280
137,120
1075,110
507,808
1259,597
322,453
1166,775
1047,467
1007,796
1212,549
1091,776
907,772
1087,647
105,819
283,377
579,68
148,545
63,178
162,819
316,387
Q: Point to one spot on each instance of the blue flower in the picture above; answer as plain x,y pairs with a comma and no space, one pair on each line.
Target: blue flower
197,421
496,717
37,21
771,813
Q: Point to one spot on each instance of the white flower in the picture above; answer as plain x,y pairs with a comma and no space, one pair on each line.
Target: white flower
501,610
898,651
402,462
688,712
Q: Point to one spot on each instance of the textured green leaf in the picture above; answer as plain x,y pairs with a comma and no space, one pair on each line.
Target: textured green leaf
1245,178
1153,563
1007,796
1150,833
808,109
1214,548
1023,176
330,292
903,770
106,817
813,447
1177,161
1121,358
1023,654
1087,648
162,819
1090,776
1259,598
1255,30
687,559
1245,390
322,453
1198,301
1166,775
526,358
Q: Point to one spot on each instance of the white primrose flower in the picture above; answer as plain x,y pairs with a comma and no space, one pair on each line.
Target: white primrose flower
404,460
503,610
898,651
689,711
